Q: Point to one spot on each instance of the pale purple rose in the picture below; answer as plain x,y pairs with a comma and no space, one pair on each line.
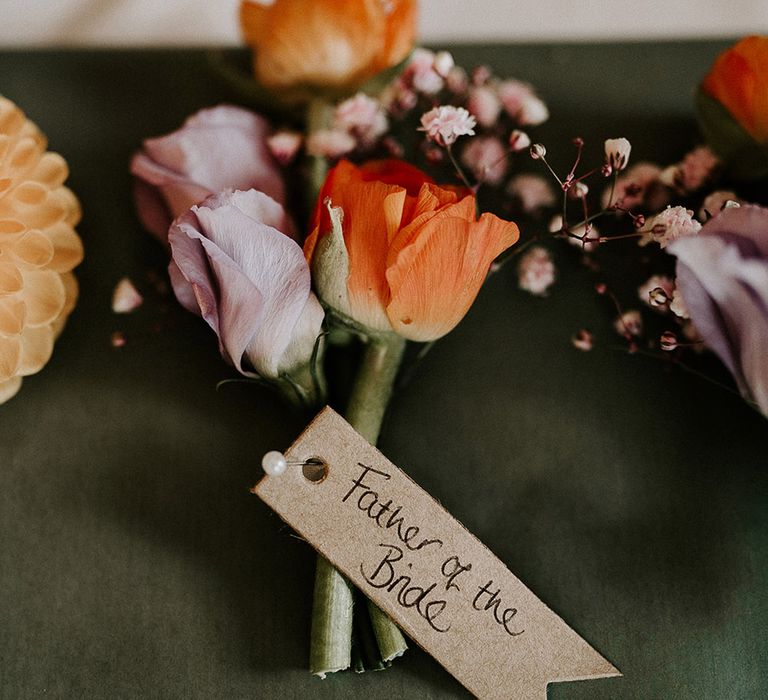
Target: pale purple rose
220,148
235,264
722,275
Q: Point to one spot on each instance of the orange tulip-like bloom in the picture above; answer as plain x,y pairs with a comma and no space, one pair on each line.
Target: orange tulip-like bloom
392,251
739,81
329,43
38,248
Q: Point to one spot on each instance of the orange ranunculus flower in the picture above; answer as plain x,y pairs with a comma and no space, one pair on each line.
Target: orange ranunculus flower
739,81
393,251
331,43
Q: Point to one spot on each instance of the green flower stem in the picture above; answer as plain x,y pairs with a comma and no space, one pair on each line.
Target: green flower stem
333,600
367,405
319,115
331,636
373,385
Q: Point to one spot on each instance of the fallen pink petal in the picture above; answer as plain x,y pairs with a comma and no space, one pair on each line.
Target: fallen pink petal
125,297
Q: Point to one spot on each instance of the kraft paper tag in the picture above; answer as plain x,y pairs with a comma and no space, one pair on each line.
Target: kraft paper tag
419,564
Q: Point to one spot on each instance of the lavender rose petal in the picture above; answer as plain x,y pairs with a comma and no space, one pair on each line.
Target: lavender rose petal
218,148
722,274
249,281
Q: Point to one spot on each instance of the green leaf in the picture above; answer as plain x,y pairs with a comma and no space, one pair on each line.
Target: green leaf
744,158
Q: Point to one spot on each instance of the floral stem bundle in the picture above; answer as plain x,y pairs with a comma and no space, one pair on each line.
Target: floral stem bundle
388,254
333,607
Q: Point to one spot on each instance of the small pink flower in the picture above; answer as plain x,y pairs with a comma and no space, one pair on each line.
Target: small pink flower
668,341
533,192
533,111
715,202
678,306
117,339
284,145
695,170
481,75
519,141
648,291
629,324
486,157
457,80
697,167
579,190
484,104
421,73
361,116
512,93
617,153
125,298
638,186
443,63
588,236
536,271
445,124
582,340
673,223
330,143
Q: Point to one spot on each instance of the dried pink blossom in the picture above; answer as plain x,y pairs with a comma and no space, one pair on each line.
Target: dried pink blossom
420,73
668,341
617,153
443,63
693,172
673,223
638,186
587,241
536,271
125,297
394,148
444,124
361,116
715,202
484,104
519,140
582,340
330,143
512,93
677,306
284,145
533,191
629,324
486,157
457,80
481,75
697,168
588,237
579,190
532,112
656,291
117,339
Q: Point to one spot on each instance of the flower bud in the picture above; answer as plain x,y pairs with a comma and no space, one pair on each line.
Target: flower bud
519,140
668,341
617,153
538,151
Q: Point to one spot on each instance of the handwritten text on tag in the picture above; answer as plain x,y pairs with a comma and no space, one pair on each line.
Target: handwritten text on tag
437,581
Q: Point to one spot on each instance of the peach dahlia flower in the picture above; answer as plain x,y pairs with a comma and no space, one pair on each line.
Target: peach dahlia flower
38,248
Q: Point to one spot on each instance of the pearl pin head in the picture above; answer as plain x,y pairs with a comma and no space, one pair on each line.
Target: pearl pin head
274,463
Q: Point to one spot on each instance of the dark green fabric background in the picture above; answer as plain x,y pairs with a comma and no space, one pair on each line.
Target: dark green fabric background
133,560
